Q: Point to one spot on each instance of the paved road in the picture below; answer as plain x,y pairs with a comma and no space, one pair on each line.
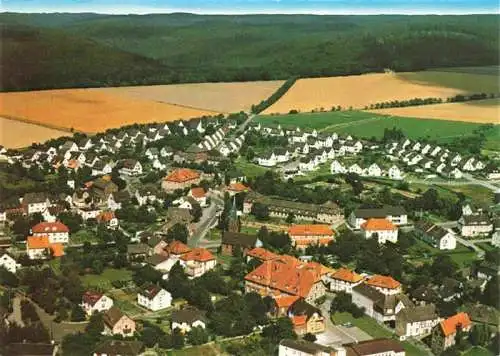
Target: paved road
469,180
207,220
471,244
448,224
481,182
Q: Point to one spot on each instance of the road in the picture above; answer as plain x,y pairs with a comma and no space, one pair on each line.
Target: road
244,125
207,220
470,180
483,183
472,244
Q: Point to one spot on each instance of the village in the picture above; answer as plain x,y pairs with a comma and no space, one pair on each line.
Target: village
150,238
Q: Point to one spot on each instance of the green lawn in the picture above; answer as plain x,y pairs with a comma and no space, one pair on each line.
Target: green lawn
368,125
486,246
82,236
412,350
461,255
203,350
367,324
478,351
249,169
104,279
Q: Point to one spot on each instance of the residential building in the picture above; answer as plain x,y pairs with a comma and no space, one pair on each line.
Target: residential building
30,349
261,254
236,188
154,298
306,318
436,236
117,323
39,247
188,318
177,249
232,241
199,195
381,229
109,219
444,334
375,347
395,173
180,178
305,235
475,225
113,347
197,262
8,262
416,322
344,280
35,203
57,232
95,302
289,347
385,284
374,170
130,167
395,214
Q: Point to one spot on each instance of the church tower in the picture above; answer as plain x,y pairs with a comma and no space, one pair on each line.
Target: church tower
233,222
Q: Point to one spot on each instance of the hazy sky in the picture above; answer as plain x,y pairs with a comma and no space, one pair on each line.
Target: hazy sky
255,6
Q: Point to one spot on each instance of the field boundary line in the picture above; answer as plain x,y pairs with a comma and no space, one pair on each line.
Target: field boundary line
190,107
37,123
351,123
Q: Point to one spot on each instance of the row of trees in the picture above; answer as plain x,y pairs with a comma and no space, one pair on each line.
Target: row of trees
428,101
264,104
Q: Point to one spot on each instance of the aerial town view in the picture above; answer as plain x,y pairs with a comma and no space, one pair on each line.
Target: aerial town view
249,177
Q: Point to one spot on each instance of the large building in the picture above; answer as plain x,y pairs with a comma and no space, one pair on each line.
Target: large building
416,322
376,347
381,229
305,235
197,262
57,232
435,235
343,280
475,225
180,178
289,347
395,214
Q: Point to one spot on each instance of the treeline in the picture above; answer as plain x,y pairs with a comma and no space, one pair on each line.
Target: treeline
264,104
428,101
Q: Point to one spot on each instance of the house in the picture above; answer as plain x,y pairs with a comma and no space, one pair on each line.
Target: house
306,318
137,251
117,323
177,249
267,160
8,262
416,322
395,173
199,195
56,231
379,306
344,280
375,347
374,170
102,187
39,247
236,188
261,254
35,202
384,284
435,235
444,334
395,214
305,235
116,199
299,347
180,178
68,146
381,229
109,219
95,302
197,262
355,168
474,225
154,298
287,276
152,153
232,241
188,318
113,347
101,167
451,172
130,167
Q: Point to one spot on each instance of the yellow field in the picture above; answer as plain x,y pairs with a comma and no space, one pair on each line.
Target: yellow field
220,97
483,111
17,134
362,90
88,110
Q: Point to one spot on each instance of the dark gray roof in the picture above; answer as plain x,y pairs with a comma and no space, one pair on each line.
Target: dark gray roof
35,198
188,315
112,316
155,260
238,239
380,212
137,249
376,346
29,349
306,346
479,219
418,313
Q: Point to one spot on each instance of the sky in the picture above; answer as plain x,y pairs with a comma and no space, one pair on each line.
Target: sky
255,6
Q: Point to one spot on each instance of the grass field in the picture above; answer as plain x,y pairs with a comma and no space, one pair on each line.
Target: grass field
88,110
481,111
218,97
478,193
369,325
368,125
249,169
203,350
358,91
22,134
478,351
104,279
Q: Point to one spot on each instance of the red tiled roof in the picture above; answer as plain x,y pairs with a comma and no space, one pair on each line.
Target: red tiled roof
91,297
310,230
449,326
57,249
177,248
238,187
198,192
383,282
299,320
198,254
376,224
182,175
106,216
261,254
347,275
37,242
49,227
286,301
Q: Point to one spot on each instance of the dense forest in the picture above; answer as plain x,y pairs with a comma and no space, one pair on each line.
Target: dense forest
86,50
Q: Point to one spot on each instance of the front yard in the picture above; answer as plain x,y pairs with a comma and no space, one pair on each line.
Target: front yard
103,280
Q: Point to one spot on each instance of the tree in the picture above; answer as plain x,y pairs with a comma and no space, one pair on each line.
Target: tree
147,274
72,221
479,335
77,313
491,292
341,303
196,212
290,218
28,312
96,325
281,328
260,211
197,336
149,336
177,339
178,232
8,278
165,342
178,283
310,337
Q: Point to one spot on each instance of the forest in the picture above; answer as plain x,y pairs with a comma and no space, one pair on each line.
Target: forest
42,51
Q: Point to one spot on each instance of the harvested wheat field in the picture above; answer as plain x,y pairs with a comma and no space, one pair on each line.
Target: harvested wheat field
358,91
17,134
483,111
219,97
88,110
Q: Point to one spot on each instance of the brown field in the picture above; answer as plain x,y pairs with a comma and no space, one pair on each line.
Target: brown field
483,111
88,110
17,134
220,97
358,91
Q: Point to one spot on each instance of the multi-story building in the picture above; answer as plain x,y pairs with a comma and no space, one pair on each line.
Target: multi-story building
375,347
57,232
444,334
475,225
395,214
289,347
95,302
343,280
117,323
197,262
416,322
154,298
8,262
305,235
180,178
381,229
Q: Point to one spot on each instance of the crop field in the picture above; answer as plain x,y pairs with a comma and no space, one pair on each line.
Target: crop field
17,134
368,125
88,110
481,111
218,97
358,91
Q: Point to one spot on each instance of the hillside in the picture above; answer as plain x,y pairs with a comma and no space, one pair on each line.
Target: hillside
179,48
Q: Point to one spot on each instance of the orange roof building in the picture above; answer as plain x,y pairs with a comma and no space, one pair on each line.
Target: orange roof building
449,326
49,228
198,193
261,254
37,242
106,216
346,275
39,247
305,235
180,178
198,254
198,261
382,229
177,248
57,249
238,187
385,284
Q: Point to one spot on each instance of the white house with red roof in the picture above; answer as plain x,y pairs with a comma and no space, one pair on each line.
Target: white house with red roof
154,298
381,229
57,232
199,195
385,284
94,302
343,280
197,262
